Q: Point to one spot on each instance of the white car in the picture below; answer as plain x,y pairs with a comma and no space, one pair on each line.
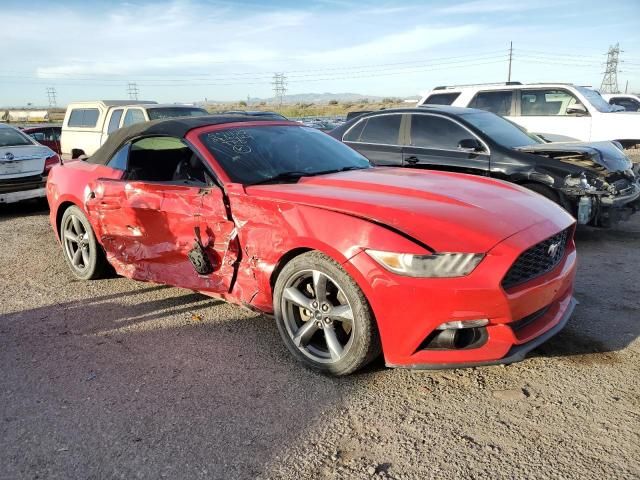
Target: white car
24,166
556,109
87,125
630,102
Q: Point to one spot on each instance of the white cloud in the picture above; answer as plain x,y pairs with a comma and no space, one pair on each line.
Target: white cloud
413,40
488,6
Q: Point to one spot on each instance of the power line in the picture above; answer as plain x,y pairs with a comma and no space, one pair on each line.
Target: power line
279,86
610,79
330,72
132,90
289,73
51,96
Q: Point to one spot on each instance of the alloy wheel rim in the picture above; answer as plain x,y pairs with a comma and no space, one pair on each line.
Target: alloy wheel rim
318,316
76,243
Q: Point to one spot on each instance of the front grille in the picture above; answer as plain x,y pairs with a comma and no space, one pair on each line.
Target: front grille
538,260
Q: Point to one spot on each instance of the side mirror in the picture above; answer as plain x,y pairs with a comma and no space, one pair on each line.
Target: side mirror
470,145
577,109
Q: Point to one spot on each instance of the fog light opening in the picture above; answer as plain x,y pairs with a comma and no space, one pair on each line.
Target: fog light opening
455,339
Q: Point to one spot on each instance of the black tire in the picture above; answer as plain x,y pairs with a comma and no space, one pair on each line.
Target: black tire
551,194
92,262
342,296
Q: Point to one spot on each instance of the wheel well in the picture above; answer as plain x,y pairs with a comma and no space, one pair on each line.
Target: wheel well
61,209
628,143
76,152
286,258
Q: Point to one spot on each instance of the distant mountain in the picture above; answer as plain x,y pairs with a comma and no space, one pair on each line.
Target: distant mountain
317,98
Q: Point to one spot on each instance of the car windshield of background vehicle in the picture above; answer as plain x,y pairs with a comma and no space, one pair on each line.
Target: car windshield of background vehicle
500,130
12,138
256,154
596,100
158,113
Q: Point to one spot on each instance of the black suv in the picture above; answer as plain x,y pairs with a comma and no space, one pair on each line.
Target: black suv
593,181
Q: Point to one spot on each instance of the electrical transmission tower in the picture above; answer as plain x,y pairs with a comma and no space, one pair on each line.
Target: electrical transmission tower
133,91
51,95
610,79
279,86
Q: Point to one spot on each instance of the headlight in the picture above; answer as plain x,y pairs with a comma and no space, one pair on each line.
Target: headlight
438,265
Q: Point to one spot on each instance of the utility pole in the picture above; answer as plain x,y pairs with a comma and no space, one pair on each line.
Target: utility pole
610,79
279,87
510,58
626,87
51,96
132,90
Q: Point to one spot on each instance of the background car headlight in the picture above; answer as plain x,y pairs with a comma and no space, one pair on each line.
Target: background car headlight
439,265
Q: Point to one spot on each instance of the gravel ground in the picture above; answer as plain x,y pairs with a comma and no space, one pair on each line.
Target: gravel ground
121,379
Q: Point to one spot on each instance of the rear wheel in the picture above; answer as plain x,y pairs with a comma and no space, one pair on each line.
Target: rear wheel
82,252
323,316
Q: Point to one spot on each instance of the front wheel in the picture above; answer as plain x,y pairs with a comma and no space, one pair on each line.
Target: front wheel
323,316
82,252
551,194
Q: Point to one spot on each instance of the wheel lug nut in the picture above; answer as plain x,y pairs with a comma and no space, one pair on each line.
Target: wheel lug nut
319,324
325,307
314,304
327,321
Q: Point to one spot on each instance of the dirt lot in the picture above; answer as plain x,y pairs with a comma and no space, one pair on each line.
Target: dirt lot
118,379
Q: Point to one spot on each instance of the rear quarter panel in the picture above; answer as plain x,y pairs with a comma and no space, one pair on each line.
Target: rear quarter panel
66,186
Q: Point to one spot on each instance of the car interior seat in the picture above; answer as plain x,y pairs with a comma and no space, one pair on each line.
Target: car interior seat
190,169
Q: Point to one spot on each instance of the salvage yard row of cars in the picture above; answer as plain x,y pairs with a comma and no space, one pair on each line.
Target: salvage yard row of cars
462,217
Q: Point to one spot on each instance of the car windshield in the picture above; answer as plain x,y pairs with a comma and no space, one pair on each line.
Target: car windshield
258,154
596,100
173,112
501,131
13,138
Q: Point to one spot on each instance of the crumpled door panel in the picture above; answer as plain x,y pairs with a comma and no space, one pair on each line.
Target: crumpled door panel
148,230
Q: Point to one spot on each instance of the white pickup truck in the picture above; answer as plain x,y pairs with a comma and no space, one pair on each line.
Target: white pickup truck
87,125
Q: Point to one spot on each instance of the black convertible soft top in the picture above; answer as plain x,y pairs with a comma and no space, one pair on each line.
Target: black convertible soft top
174,127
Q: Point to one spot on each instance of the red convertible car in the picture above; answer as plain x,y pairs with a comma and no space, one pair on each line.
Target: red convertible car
432,269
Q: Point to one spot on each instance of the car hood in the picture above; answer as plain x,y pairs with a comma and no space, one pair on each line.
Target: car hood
448,212
592,155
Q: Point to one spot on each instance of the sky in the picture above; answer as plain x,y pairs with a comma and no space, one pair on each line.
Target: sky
189,50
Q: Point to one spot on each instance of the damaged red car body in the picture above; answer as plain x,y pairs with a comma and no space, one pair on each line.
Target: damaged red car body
432,269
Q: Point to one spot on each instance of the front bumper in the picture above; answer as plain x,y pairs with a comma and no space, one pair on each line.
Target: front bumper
517,352
619,208
408,310
23,188
12,197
